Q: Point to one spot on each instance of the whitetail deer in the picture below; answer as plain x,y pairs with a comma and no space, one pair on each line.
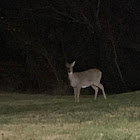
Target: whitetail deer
85,79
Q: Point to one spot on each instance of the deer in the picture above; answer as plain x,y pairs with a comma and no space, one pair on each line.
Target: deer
90,77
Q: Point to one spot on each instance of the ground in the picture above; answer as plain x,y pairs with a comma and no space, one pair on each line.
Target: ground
43,117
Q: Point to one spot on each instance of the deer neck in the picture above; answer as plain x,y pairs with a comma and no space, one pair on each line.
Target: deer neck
72,79
71,75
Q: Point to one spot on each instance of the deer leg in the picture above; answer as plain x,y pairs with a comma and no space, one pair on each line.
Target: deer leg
102,88
96,91
77,94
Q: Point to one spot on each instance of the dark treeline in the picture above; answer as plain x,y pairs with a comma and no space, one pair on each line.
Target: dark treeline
37,38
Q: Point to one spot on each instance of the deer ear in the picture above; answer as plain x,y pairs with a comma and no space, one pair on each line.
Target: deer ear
73,64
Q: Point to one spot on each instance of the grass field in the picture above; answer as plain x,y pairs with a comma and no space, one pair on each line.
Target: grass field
42,117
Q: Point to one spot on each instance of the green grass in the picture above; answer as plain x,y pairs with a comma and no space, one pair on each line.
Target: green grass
42,117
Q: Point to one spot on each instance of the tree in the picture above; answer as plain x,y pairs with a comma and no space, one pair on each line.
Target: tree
48,33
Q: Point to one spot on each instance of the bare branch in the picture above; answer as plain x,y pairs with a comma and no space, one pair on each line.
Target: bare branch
87,22
98,8
97,15
62,14
116,62
45,54
116,56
